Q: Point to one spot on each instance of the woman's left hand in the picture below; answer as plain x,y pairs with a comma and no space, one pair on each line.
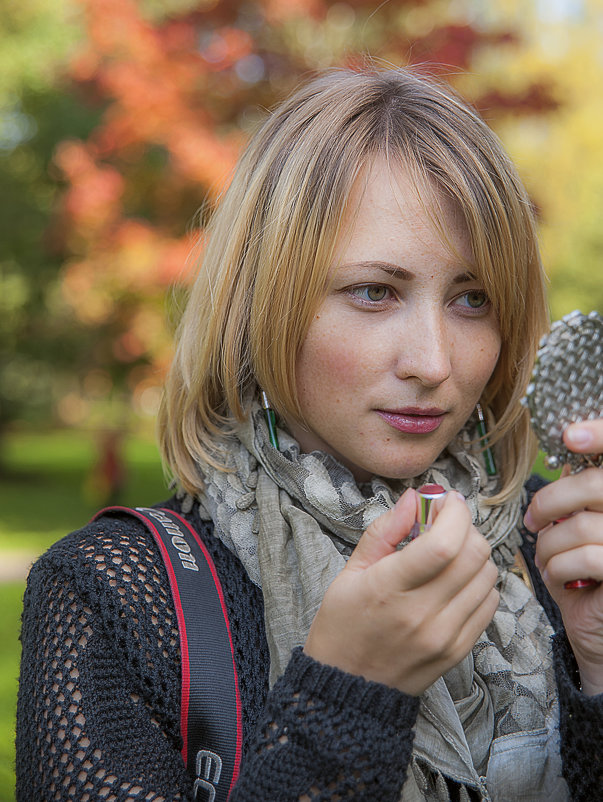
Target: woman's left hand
568,516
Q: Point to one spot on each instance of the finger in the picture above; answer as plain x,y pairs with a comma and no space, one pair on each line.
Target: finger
565,496
582,529
458,642
474,592
426,557
385,533
585,437
578,563
477,623
438,503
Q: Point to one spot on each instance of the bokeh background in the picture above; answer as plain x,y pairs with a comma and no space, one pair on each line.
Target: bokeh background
120,121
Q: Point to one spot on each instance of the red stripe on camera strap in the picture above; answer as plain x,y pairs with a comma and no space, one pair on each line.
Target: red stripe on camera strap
211,717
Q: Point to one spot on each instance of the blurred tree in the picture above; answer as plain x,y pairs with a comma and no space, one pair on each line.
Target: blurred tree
180,84
37,343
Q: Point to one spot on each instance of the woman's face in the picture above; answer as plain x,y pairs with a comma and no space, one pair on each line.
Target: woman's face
402,346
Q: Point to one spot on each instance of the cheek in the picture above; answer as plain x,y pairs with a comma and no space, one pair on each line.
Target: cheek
479,358
329,359
486,359
492,353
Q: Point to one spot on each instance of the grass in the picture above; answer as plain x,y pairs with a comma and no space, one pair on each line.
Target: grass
45,493
47,490
11,595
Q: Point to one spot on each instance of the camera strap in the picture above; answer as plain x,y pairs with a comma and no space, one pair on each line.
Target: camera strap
210,711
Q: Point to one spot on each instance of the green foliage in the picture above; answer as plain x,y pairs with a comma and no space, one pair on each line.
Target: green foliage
36,113
560,156
36,36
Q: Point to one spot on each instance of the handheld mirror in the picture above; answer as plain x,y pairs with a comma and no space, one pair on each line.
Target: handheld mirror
566,387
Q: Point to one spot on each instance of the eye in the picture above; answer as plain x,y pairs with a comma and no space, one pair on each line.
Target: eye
474,299
373,293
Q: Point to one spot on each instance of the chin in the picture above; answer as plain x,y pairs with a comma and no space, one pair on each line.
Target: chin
404,470
407,467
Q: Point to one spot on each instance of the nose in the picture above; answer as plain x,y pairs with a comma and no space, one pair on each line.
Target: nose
424,348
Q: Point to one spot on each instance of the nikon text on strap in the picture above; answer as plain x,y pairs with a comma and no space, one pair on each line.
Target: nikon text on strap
210,713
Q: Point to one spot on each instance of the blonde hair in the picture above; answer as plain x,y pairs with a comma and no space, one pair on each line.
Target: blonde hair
272,239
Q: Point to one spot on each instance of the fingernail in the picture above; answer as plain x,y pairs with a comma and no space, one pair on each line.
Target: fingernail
458,495
528,522
579,436
537,563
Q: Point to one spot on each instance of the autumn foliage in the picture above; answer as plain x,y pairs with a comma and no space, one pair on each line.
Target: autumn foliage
180,85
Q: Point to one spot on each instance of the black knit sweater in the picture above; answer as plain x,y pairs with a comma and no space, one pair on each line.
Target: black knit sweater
98,712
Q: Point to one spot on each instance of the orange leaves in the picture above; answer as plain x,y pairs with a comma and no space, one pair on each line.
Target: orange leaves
150,76
135,263
116,28
91,303
181,85
155,79
93,200
203,158
118,289
225,46
145,259
282,10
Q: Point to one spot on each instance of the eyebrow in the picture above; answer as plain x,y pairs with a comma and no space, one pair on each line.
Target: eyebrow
395,271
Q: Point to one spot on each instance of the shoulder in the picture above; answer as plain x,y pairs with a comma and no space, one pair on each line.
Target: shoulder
117,542
114,565
111,572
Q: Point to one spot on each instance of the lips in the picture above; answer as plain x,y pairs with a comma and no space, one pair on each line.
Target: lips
413,420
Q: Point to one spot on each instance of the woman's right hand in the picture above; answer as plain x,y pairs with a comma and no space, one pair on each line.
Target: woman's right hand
403,618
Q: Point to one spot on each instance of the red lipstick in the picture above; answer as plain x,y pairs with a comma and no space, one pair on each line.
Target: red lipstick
413,420
427,495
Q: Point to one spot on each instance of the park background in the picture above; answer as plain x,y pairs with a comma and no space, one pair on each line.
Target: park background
120,121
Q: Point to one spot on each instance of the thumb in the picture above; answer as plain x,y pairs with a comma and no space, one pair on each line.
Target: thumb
385,533
585,437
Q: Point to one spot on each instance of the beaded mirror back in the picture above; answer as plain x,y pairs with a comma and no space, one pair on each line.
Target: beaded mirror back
567,386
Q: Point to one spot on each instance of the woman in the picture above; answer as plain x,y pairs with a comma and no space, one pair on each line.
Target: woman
373,269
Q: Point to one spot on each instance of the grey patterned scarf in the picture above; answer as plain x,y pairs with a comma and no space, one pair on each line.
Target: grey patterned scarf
293,519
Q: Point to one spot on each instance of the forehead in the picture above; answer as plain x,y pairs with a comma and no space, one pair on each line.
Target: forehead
392,207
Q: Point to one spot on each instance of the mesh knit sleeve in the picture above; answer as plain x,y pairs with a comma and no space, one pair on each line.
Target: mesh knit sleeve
98,703
327,736
580,725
